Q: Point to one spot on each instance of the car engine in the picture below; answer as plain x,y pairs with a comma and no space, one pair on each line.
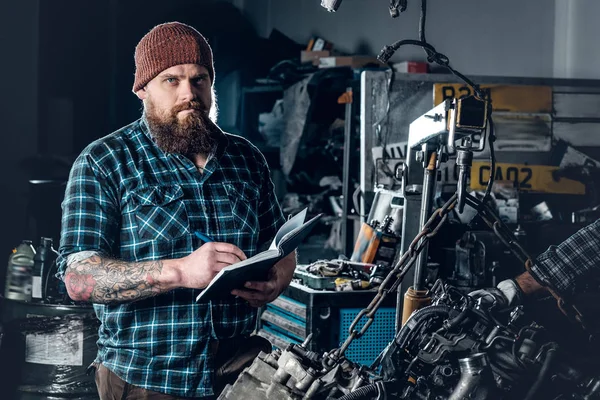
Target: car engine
456,348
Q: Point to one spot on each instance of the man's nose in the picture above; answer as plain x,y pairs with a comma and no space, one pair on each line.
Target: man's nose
186,91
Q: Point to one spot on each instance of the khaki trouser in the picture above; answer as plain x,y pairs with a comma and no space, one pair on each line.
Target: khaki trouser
232,356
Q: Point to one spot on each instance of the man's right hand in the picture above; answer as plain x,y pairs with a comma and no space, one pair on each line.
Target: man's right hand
200,267
103,280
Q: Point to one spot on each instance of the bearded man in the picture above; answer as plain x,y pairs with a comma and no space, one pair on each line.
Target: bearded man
136,205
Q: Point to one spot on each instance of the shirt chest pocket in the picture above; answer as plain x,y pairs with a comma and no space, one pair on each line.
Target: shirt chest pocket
160,212
244,198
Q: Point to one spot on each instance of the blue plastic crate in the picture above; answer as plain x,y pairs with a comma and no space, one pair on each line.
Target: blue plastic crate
365,349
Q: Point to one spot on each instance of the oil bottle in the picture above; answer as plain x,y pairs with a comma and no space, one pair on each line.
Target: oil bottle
18,276
44,258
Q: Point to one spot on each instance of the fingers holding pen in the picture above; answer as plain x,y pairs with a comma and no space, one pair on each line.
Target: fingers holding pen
228,248
206,261
221,253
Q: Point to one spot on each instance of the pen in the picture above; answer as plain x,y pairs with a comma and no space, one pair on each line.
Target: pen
203,237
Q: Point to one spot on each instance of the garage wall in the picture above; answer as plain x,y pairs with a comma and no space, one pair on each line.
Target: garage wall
577,49
502,38
18,112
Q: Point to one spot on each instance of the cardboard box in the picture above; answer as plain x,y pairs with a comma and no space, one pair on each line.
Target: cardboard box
349,61
319,44
313,56
412,67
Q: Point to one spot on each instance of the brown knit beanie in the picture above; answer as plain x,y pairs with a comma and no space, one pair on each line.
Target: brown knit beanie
167,45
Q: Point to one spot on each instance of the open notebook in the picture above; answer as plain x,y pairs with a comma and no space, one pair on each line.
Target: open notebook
256,268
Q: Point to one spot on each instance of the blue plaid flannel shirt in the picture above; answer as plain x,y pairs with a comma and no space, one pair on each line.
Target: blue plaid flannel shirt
129,200
573,264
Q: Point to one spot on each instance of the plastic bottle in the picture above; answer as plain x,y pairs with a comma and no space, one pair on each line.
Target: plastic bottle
42,263
53,289
18,277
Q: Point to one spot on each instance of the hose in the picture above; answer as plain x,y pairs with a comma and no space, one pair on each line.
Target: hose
499,337
408,330
542,375
367,391
361,392
417,317
453,323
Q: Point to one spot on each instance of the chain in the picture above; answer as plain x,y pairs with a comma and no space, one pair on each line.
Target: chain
430,229
508,239
396,275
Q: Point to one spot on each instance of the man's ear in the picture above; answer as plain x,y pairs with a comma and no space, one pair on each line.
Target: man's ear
142,94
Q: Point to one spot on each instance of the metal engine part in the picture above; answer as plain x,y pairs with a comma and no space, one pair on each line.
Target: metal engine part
475,252
454,349
475,379
457,349
295,373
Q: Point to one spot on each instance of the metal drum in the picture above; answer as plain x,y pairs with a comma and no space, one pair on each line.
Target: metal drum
46,349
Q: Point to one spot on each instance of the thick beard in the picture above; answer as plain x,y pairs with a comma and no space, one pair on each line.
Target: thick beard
195,134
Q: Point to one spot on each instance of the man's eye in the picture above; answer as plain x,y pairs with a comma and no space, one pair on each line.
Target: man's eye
171,80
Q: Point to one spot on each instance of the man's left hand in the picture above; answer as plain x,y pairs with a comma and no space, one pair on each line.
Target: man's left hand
259,293
505,295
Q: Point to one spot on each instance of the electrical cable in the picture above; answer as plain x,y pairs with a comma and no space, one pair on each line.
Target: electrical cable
422,21
491,140
356,202
382,138
437,57
433,56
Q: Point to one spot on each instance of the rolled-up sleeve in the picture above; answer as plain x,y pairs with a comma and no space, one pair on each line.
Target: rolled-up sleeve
570,266
90,213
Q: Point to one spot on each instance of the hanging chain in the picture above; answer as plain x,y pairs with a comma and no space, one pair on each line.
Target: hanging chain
430,229
396,275
508,239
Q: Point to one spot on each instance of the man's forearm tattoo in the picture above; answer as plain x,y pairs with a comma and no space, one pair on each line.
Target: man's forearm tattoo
103,280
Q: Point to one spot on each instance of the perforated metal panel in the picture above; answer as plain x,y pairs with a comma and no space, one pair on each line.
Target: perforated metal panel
365,349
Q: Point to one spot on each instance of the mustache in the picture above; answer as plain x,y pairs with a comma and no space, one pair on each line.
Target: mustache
190,105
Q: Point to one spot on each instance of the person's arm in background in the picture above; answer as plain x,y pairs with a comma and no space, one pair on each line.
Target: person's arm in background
571,265
529,286
90,225
566,268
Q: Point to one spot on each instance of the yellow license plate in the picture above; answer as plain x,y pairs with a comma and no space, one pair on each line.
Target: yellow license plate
511,98
528,178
